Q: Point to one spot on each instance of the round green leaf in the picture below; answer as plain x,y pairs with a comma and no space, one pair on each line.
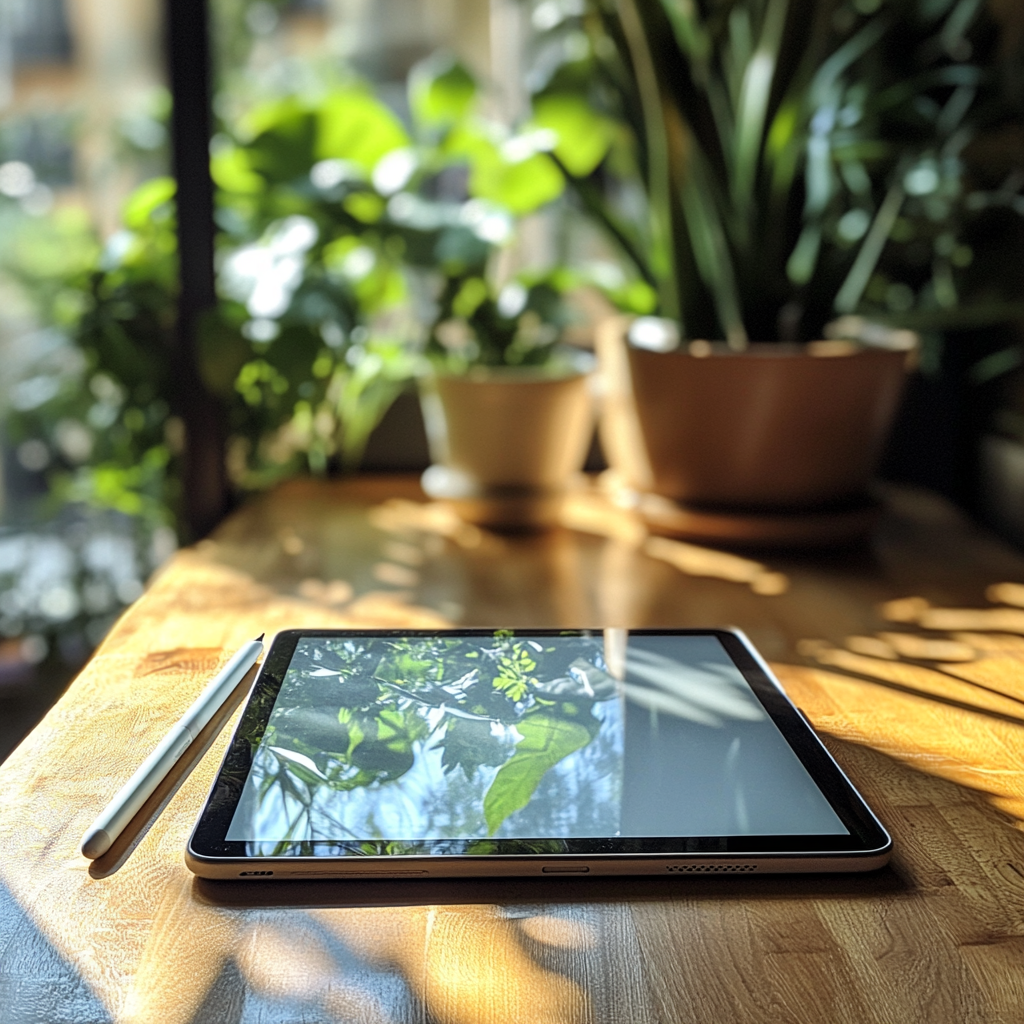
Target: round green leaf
583,135
145,200
441,90
353,126
520,187
232,171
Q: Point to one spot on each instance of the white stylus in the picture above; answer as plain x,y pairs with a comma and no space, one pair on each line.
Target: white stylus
137,790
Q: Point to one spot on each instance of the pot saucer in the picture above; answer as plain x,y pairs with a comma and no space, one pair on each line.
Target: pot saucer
746,528
496,508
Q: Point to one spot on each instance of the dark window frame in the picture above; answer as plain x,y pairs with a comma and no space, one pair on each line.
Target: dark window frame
205,487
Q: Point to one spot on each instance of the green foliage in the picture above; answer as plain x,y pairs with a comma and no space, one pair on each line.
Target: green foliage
486,704
106,420
342,232
469,744
354,126
799,159
518,326
52,257
520,180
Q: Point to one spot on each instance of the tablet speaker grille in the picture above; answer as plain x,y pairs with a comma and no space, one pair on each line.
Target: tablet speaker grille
711,869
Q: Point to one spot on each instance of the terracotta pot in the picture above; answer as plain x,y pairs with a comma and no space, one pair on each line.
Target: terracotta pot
775,427
507,442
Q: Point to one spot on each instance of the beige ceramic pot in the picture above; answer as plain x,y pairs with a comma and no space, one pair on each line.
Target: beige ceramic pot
775,428
508,442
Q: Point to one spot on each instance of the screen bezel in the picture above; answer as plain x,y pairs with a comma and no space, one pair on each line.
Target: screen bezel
866,835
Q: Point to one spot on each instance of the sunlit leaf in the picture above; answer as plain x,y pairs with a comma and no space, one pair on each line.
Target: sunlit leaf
146,199
634,297
232,171
441,90
301,760
469,297
546,741
520,186
281,139
364,206
752,108
584,136
354,126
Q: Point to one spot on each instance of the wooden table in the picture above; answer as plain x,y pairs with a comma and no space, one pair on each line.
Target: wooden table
924,711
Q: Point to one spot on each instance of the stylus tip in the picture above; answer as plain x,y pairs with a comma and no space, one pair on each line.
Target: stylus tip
95,843
259,639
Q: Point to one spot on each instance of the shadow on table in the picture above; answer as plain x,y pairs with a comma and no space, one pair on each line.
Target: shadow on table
38,981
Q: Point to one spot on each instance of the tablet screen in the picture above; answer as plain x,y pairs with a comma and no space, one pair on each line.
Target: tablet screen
458,739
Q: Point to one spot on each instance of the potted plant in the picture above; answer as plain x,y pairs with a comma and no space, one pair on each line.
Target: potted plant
507,406
508,411
411,219
782,171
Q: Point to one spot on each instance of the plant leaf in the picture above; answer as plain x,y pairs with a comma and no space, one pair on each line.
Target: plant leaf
546,741
752,108
294,758
583,135
691,35
849,295
856,46
232,171
659,166
145,199
710,245
441,90
352,125
521,186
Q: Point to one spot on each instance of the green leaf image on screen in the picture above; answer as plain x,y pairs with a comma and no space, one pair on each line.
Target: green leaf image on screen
429,737
546,741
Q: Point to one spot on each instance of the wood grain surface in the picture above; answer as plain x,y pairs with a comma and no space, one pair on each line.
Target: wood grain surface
907,653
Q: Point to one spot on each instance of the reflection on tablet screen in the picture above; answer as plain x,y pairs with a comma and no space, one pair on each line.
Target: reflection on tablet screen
513,736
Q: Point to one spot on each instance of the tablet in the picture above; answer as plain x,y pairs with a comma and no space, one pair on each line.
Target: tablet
411,753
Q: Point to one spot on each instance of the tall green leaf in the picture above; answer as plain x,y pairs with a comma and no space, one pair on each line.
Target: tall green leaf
709,243
849,295
658,163
690,33
752,109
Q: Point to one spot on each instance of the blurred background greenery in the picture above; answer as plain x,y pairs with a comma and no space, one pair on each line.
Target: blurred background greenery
412,180
381,198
